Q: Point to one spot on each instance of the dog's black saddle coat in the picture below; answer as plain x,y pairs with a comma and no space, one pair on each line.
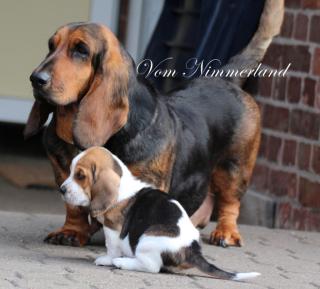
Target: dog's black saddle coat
151,212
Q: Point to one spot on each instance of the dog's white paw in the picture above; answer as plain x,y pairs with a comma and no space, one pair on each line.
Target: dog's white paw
103,261
118,262
128,264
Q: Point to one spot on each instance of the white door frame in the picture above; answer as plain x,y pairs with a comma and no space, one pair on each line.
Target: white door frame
142,19
105,12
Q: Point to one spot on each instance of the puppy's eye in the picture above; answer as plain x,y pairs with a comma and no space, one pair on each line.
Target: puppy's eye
80,176
80,50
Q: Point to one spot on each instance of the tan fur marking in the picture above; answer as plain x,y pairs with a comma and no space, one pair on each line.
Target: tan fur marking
158,170
64,122
114,217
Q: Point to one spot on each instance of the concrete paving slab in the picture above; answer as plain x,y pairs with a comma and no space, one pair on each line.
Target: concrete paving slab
32,200
286,259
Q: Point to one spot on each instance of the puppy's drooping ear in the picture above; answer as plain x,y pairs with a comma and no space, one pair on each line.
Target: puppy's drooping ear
104,109
104,192
37,118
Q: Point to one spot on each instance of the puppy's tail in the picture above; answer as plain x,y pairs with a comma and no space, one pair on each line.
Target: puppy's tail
269,26
195,258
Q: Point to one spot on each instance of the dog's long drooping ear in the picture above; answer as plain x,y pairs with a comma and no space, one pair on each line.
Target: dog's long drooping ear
104,192
37,118
104,109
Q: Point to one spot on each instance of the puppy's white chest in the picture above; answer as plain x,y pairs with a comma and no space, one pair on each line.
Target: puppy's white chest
114,241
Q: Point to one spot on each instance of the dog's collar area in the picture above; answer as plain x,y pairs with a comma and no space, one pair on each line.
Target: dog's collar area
112,207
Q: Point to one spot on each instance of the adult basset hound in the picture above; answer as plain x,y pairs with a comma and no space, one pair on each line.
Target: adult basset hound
197,142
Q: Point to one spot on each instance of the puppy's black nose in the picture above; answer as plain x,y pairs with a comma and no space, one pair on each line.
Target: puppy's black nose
63,190
40,79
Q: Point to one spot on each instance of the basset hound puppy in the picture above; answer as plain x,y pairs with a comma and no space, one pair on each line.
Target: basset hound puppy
145,229
197,143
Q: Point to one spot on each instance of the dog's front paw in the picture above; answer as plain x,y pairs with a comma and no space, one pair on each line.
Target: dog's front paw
103,261
68,237
118,262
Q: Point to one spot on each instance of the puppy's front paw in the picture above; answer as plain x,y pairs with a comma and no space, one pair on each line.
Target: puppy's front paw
118,262
103,261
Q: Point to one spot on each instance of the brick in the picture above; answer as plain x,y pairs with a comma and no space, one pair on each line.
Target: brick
311,4
294,89
260,177
289,152
304,155
293,3
263,146
298,218
309,90
257,209
287,25
317,101
265,86
274,55
279,91
316,63
314,29
298,55
309,193
283,218
312,220
276,118
283,183
301,27
273,148
305,124
316,160
305,219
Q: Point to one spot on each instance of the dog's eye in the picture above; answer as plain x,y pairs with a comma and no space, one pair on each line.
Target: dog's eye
80,176
80,50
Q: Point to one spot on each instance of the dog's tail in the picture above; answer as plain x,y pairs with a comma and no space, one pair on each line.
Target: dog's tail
269,26
195,258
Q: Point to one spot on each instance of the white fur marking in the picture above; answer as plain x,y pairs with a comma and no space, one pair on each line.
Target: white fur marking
243,276
74,193
112,240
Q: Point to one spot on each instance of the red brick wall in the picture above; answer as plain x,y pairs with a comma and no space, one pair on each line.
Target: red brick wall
288,167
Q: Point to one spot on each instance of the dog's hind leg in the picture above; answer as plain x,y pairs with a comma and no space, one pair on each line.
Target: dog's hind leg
226,187
232,175
145,262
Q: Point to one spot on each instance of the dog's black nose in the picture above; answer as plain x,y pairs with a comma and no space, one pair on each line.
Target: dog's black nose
40,79
63,190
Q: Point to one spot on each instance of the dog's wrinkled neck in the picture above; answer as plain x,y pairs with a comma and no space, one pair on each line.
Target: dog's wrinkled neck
64,118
